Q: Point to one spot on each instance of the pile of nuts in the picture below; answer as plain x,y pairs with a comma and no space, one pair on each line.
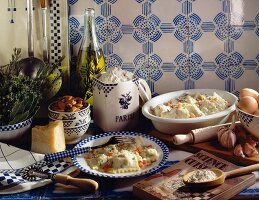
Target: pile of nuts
69,104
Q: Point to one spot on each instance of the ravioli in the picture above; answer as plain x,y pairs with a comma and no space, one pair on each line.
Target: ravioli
191,106
122,158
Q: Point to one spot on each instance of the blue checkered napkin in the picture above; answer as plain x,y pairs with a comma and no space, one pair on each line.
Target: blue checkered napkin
12,163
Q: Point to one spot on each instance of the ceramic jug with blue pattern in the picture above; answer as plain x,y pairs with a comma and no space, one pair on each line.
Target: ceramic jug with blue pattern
116,106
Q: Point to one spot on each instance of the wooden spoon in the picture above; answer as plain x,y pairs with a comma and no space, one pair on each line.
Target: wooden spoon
221,176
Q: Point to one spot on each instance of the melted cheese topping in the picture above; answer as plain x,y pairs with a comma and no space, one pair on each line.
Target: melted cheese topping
122,158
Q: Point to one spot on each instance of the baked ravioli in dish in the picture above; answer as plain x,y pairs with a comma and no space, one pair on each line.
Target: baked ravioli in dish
191,106
122,157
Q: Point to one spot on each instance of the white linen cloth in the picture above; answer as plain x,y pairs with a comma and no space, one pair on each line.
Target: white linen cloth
14,160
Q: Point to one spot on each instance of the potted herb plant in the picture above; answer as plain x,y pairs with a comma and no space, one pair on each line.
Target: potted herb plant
20,95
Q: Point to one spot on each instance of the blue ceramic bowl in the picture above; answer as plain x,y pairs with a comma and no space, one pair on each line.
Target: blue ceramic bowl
14,131
249,121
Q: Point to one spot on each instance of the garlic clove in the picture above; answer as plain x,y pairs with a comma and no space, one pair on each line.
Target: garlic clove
231,140
251,141
241,134
250,150
238,151
222,136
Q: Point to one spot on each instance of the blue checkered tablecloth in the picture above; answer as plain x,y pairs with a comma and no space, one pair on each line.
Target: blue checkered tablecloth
109,188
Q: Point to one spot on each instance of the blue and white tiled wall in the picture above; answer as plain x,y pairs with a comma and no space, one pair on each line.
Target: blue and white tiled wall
177,44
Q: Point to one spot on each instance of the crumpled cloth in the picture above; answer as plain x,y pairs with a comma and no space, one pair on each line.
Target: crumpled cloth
14,160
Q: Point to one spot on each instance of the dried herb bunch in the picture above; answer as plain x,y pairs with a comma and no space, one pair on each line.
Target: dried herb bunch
20,95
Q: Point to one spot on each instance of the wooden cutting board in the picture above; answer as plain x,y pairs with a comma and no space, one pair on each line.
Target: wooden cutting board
167,184
212,147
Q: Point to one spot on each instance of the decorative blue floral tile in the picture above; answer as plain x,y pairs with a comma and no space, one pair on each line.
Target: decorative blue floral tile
168,47
207,10
244,12
248,46
166,10
209,80
126,12
168,82
127,49
248,79
209,47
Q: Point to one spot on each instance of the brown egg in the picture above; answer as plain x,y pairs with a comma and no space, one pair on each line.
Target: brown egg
257,99
256,112
248,92
248,104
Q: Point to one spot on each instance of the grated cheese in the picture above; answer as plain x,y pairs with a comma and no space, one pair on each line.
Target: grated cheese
202,175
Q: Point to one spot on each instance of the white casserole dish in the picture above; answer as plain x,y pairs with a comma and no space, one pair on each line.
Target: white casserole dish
182,126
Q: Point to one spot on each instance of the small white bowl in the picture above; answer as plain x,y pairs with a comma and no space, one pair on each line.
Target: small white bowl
74,123
15,131
68,115
73,135
183,126
249,121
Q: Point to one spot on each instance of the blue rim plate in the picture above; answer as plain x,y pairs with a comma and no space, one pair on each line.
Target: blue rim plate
162,149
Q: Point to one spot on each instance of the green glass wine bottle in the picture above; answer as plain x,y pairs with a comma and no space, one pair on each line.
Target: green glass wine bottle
90,60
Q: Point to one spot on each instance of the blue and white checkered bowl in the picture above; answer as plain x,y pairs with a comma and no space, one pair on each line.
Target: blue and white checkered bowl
74,123
249,121
68,115
14,131
73,135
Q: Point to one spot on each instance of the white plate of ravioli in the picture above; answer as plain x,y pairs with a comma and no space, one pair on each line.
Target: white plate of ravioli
122,160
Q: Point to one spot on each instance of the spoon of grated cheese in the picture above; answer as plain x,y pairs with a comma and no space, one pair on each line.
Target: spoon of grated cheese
214,176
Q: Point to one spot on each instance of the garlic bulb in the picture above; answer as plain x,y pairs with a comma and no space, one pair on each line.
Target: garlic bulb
226,137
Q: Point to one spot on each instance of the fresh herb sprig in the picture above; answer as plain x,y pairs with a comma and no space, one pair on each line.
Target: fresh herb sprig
20,95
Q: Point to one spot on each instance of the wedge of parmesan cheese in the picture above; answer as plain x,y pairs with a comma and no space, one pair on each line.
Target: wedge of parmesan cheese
49,138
